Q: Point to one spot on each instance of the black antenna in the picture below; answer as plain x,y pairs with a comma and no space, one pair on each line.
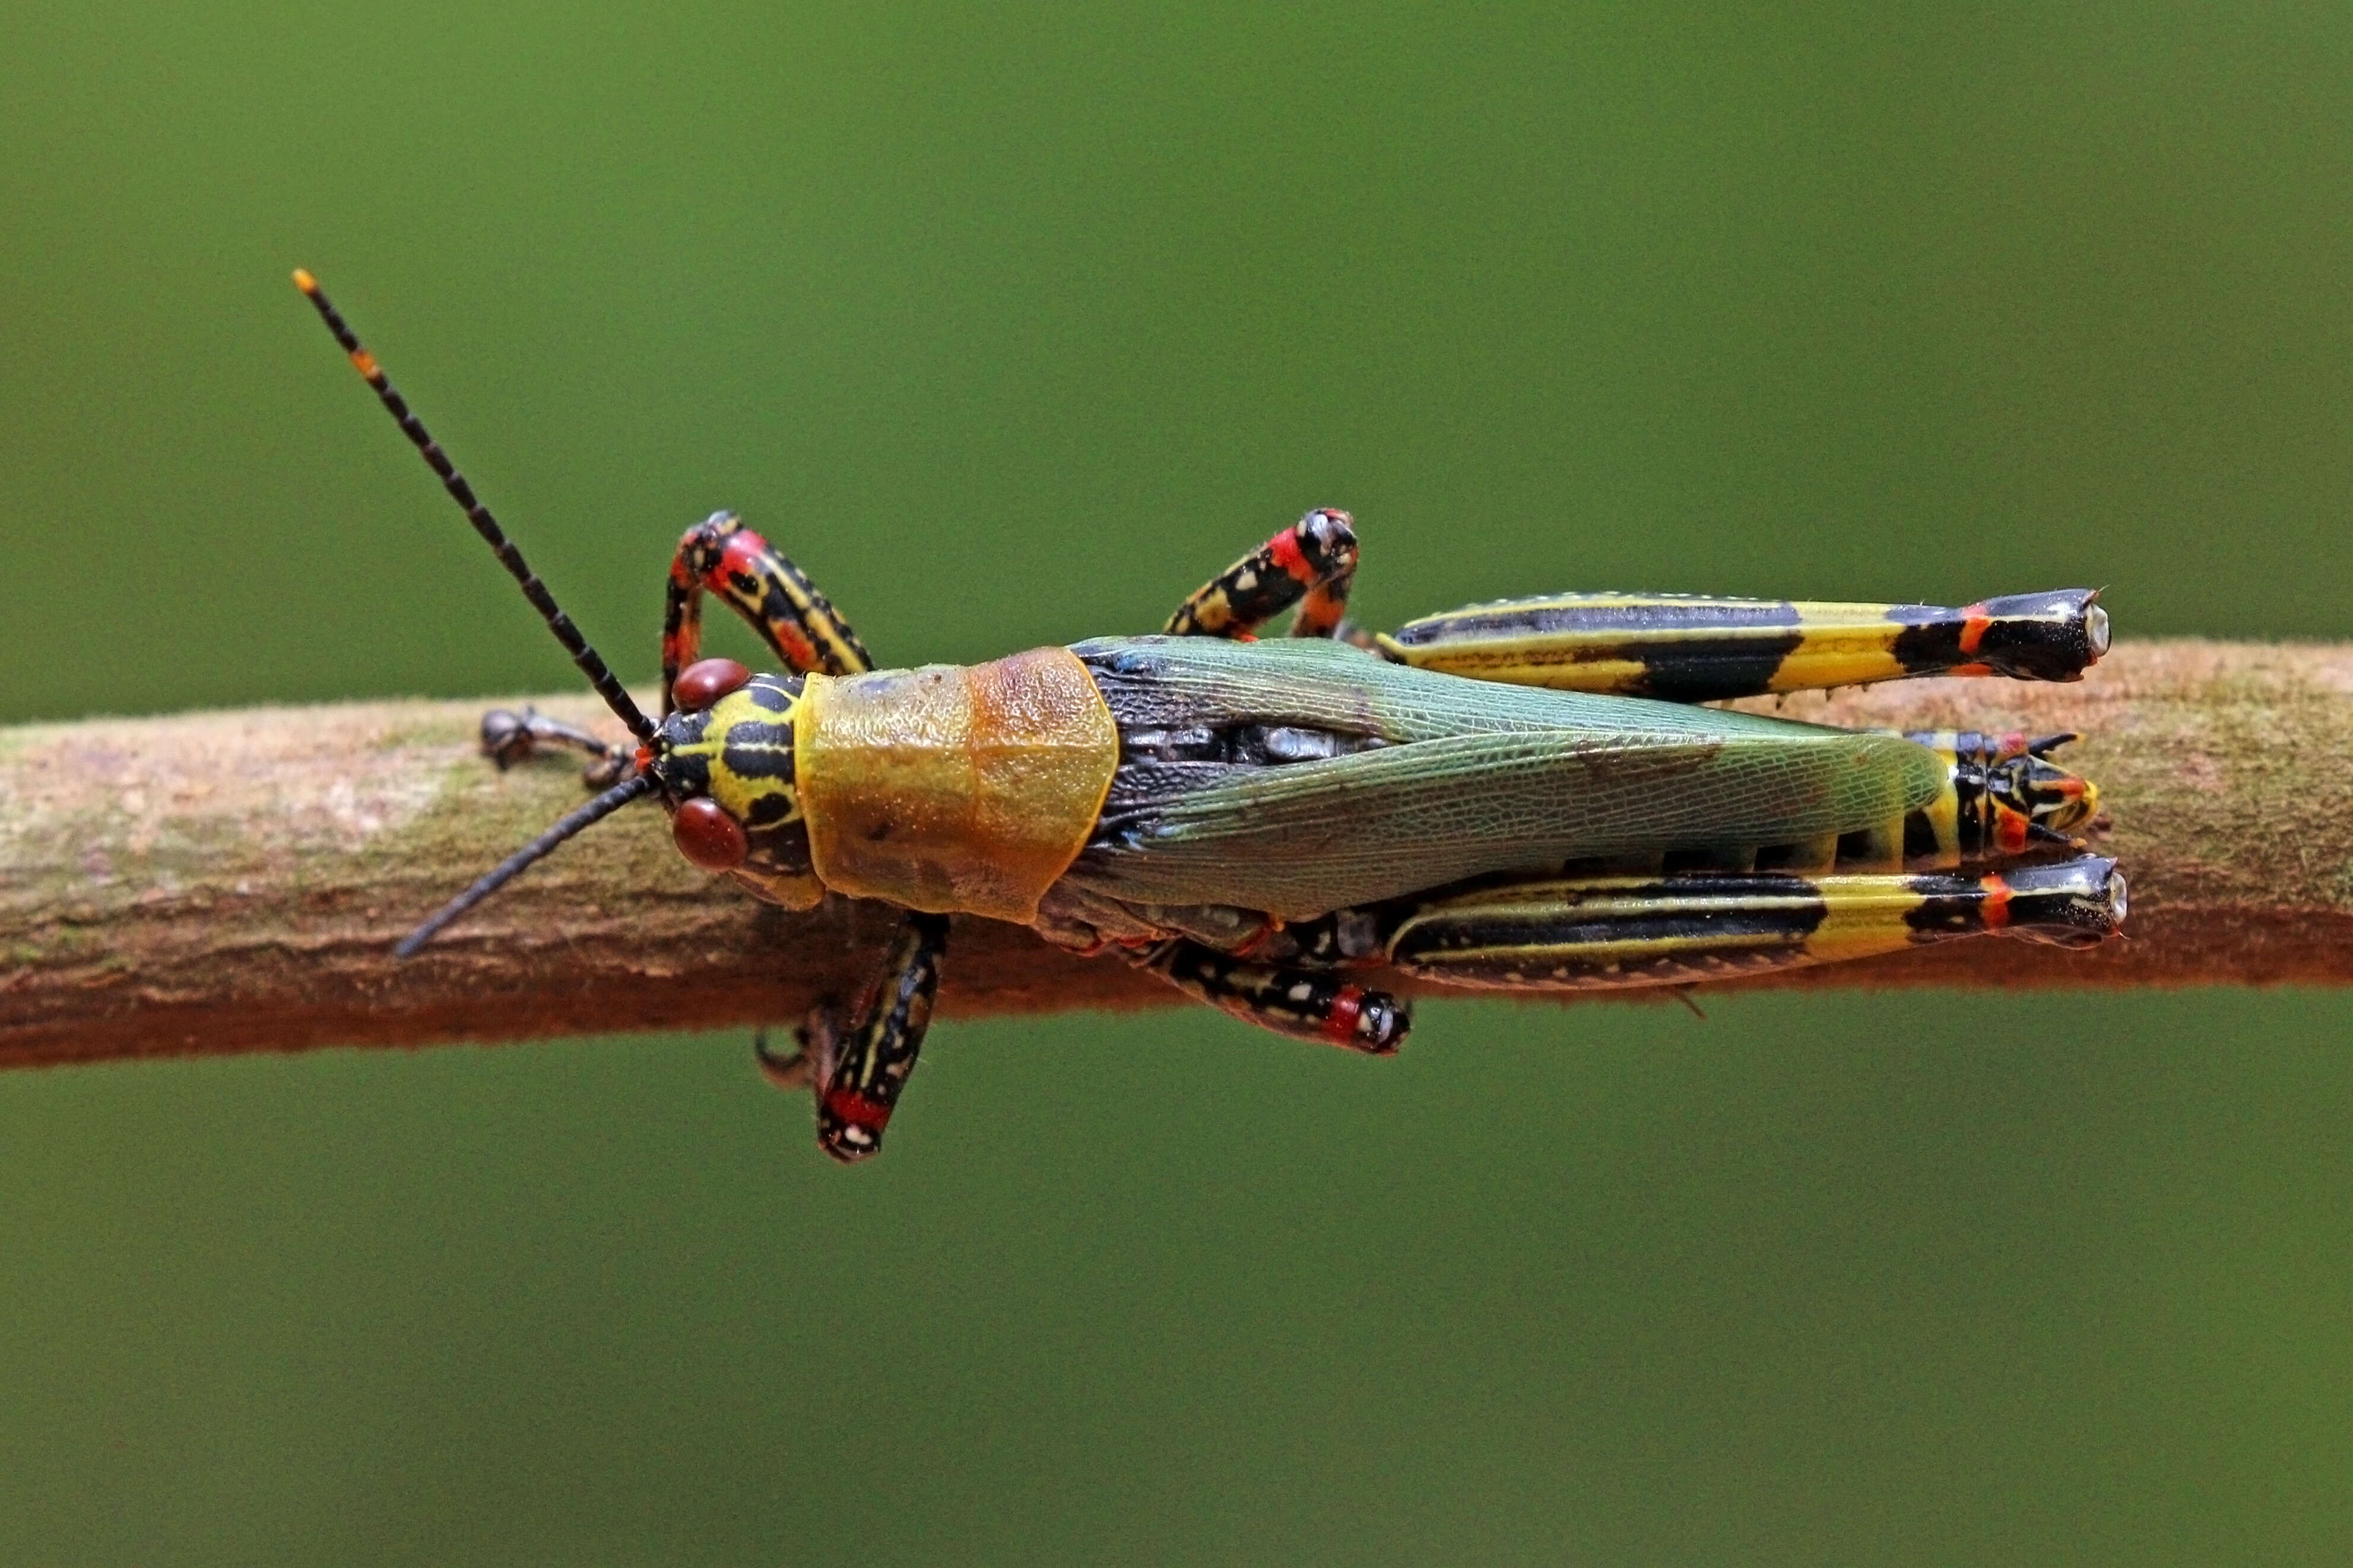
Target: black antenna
522,859
591,665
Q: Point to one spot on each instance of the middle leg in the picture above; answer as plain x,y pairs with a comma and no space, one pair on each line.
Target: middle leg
1312,1005
1310,563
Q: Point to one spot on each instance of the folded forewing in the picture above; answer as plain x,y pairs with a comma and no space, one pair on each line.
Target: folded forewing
1303,839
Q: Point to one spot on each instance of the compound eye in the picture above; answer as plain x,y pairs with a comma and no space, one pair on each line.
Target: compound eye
2096,631
707,836
705,681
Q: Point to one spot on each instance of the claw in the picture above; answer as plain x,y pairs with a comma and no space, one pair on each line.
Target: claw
794,1072
509,738
506,736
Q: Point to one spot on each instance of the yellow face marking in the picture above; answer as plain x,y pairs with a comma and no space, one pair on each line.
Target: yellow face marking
748,750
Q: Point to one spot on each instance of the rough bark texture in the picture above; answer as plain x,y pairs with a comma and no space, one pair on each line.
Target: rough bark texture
235,881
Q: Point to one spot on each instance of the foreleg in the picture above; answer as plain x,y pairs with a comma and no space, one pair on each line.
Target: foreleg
799,624
796,622
857,1063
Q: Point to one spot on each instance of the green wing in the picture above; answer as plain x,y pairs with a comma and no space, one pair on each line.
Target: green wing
1474,777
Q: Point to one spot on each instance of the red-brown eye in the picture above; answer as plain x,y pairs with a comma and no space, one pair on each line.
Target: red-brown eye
705,681
706,835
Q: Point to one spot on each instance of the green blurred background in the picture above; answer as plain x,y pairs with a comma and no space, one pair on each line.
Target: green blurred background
1010,324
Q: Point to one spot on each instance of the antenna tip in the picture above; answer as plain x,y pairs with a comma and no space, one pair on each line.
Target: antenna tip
304,282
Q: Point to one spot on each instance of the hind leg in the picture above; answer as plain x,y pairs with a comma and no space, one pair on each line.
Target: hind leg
1609,933
1691,649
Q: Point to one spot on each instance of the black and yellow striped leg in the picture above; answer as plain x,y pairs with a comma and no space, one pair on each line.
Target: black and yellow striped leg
1602,933
1316,1006
1691,649
856,1063
1311,564
782,605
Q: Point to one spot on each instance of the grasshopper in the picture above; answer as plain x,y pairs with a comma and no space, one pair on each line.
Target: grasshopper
1521,796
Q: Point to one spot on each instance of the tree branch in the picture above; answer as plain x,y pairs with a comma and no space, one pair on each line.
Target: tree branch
234,882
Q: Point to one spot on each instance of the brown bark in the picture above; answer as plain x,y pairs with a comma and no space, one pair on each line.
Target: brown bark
234,882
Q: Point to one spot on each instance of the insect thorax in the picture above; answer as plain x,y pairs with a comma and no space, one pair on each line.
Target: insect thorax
955,788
